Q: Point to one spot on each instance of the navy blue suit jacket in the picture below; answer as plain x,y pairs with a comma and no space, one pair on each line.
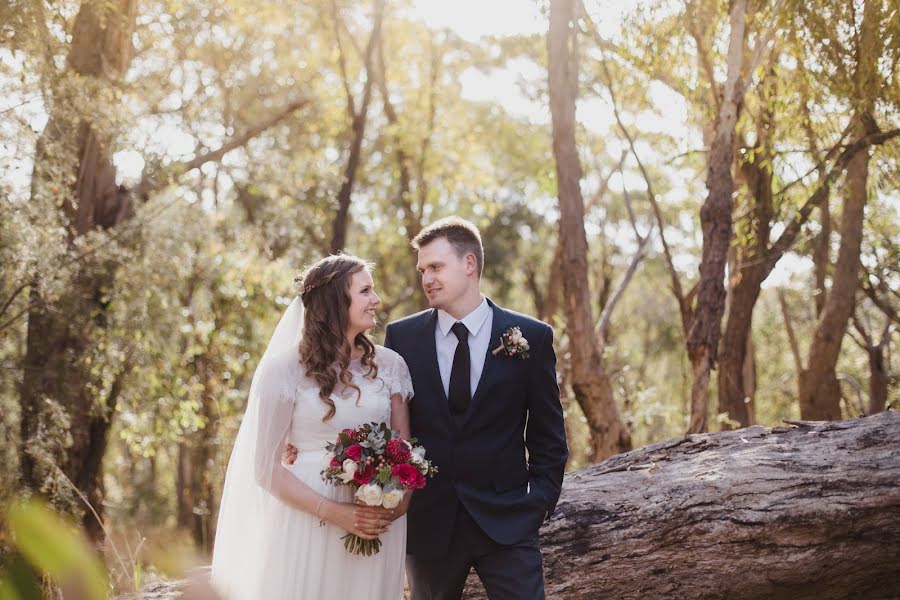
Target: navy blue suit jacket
482,459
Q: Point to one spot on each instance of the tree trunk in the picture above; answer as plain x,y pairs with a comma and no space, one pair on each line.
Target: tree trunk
819,394
412,222
748,272
196,494
590,381
59,337
822,256
715,219
750,377
735,341
781,513
791,510
358,121
878,380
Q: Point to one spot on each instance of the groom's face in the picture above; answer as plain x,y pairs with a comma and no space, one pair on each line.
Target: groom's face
445,274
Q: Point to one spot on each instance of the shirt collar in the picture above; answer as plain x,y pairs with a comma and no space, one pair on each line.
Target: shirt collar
473,321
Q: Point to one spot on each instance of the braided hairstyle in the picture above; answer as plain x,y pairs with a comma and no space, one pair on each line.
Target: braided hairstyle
324,289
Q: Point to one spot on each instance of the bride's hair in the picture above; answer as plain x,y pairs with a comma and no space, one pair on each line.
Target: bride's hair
324,289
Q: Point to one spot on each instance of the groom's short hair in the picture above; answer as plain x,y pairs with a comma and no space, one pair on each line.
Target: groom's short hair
463,236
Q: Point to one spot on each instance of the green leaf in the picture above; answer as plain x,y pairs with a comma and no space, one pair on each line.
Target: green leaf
19,581
56,547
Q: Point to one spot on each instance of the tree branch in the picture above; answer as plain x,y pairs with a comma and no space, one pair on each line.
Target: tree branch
602,328
787,237
342,60
148,185
789,328
684,306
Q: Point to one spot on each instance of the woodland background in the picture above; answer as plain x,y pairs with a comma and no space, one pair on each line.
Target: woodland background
713,232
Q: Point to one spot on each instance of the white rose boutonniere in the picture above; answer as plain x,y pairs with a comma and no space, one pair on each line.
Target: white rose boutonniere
512,344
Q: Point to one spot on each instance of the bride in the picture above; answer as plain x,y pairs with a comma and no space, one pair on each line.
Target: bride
280,526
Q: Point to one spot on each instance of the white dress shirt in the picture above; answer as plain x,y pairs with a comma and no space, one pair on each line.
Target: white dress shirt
479,323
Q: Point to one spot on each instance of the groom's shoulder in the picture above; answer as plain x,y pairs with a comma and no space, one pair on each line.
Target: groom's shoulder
529,324
411,320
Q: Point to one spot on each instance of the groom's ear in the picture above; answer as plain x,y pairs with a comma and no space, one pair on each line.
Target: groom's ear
471,264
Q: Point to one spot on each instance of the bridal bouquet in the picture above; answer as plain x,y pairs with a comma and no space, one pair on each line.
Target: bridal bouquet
381,466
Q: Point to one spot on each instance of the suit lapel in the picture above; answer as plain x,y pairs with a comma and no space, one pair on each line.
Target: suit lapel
490,371
432,370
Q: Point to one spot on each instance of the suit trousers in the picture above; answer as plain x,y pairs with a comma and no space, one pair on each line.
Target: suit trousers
508,572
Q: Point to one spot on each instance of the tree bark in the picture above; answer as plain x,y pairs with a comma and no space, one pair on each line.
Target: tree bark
879,378
715,220
819,393
57,380
589,379
58,339
748,271
789,509
822,257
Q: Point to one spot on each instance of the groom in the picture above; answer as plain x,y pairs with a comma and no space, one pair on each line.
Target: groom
485,395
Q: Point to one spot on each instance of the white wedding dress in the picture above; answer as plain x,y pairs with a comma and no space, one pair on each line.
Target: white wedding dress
267,550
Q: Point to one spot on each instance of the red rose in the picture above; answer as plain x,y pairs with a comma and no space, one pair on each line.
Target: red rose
365,476
335,463
420,481
406,473
354,452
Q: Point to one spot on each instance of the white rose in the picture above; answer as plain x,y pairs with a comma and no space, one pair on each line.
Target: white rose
392,498
350,468
515,336
370,494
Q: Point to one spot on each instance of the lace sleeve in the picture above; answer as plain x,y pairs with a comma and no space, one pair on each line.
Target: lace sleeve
396,375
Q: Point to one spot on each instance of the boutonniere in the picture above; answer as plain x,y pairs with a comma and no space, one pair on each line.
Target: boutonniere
512,344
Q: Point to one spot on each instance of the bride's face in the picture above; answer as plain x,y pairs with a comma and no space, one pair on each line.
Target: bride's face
363,301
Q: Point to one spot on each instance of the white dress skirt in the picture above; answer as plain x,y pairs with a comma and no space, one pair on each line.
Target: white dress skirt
309,561
293,556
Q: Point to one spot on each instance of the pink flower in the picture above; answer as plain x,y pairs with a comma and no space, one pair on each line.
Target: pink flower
365,476
354,452
406,473
420,481
335,463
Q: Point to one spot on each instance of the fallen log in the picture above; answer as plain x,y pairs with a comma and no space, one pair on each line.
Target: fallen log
806,511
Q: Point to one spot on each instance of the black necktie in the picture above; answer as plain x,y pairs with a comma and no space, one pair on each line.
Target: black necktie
460,386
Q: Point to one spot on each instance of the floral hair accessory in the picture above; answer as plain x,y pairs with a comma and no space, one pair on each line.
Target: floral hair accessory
512,344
